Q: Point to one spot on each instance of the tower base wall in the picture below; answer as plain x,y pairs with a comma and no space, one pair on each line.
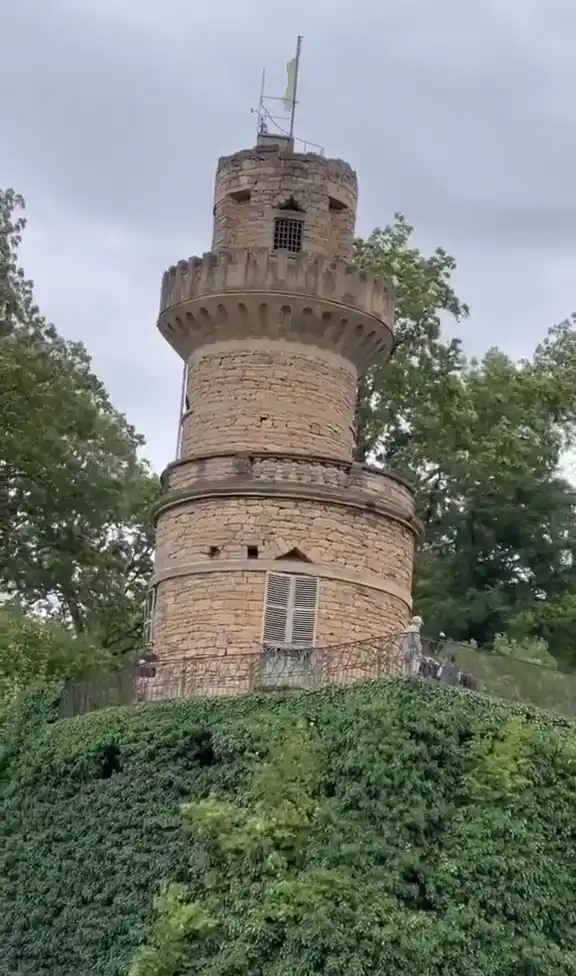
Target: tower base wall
328,533
216,614
217,543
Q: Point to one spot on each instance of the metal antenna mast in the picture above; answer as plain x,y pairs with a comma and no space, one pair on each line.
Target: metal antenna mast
269,123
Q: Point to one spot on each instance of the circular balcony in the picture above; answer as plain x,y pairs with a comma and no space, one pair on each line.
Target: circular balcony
257,293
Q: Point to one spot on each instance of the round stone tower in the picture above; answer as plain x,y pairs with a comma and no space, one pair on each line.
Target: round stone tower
269,536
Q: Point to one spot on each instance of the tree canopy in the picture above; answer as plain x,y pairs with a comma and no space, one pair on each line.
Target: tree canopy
483,443
36,652
75,544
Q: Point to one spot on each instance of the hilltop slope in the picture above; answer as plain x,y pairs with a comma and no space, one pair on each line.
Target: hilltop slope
441,837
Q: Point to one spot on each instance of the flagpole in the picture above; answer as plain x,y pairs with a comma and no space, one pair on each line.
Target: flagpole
295,93
261,102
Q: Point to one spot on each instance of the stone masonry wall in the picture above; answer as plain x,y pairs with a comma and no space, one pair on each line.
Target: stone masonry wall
194,615
274,400
251,185
328,534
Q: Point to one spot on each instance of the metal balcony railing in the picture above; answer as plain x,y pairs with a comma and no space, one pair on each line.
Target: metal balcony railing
289,669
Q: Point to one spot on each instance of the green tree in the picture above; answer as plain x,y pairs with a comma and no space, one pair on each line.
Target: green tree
33,651
500,521
74,494
481,442
398,400
551,622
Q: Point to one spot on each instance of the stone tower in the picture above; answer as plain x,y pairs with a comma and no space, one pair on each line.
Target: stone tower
268,534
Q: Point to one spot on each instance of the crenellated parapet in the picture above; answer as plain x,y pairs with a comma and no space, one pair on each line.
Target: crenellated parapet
262,270
258,293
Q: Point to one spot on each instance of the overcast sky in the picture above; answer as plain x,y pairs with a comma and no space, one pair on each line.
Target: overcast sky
462,115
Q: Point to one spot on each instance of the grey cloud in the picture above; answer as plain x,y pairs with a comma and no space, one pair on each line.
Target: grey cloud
460,115
130,117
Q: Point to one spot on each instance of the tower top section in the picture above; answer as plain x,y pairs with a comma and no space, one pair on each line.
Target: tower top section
280,269
272,197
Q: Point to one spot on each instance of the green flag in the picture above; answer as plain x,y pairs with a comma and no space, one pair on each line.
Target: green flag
290,93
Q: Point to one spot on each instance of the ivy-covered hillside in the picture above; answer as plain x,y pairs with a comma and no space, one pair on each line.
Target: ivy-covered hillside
383,829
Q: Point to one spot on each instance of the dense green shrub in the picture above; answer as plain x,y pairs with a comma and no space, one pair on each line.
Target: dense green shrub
424,831
33,650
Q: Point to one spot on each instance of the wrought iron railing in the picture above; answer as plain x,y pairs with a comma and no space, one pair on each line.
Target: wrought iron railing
291,669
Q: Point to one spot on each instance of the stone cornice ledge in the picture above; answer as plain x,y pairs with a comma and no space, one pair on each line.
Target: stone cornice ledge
321,571
286,489
289,456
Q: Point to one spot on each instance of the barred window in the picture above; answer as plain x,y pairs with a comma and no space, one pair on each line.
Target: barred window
290,610
288,234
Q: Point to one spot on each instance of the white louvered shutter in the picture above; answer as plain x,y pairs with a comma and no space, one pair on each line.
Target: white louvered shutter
276,609
304,607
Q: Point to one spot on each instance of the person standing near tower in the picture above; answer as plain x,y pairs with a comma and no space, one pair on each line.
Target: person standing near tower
412,647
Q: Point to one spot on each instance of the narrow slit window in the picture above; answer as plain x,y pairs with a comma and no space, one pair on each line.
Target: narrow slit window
288,234
336,205
240,196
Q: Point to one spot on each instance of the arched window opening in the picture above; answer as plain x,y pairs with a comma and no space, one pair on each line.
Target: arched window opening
289,228
149,610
